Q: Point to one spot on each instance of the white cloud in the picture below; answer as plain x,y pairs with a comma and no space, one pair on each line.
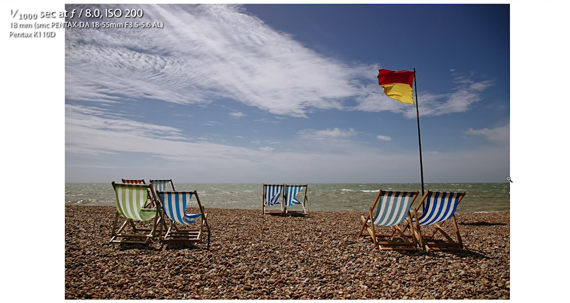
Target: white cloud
384,138
326,134
266,149
460,100
468,92
189,62
93,131
237,114
499,135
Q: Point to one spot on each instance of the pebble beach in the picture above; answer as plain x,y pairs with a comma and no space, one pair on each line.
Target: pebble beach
256,256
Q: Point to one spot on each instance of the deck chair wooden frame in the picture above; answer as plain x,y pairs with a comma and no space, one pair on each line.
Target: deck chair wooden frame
141,219
391,209
179,226
289,197
272,195
160,185
439,208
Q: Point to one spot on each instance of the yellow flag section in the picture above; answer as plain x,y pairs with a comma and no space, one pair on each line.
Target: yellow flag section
397,84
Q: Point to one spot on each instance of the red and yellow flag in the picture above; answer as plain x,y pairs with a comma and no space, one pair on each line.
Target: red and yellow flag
397,85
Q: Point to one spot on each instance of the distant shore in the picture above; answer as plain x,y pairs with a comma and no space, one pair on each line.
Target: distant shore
256,256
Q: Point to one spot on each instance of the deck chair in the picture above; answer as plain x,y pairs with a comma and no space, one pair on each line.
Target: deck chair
162,185
439,207
133,181
140,219
271,197
290,197
391,209
183,227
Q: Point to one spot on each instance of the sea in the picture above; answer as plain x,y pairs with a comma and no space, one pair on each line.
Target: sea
480,197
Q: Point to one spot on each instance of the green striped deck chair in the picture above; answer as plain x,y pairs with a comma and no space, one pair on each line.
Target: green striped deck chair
139,224
387,220
438,208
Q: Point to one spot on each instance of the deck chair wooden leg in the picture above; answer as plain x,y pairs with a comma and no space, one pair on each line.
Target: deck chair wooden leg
403,236
459,240
132,224
122,228
407,225
113,231
451,244
418,235
157,230
412,232
205,224
364,225
372,232
443,232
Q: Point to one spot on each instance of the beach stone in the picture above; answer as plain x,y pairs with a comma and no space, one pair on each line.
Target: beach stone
263,257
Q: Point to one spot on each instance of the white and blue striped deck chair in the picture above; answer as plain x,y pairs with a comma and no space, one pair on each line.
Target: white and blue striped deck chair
291,192
183,227
390,211
162,185
271,196
142,222
439,207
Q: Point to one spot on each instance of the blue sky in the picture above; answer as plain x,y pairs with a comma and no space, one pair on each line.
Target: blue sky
288,93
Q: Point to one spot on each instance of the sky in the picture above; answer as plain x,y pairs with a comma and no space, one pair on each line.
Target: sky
289,93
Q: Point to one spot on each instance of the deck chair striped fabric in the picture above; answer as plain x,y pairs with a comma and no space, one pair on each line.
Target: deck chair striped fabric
162,185
139,181
439,207
174,205
133,181
390,209
291,192
291,195
130,204
271,196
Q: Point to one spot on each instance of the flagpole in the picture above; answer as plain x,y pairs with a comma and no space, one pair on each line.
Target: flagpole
419,134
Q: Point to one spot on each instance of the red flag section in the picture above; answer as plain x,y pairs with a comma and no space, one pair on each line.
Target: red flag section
397,84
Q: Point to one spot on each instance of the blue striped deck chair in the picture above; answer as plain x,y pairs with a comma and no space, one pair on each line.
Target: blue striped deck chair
291,192
438,208
390,211
162,185
140,224
271,196
183,227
